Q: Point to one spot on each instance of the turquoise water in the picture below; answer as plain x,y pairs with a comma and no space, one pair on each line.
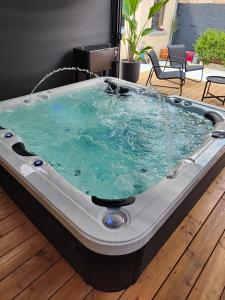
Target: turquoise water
105,145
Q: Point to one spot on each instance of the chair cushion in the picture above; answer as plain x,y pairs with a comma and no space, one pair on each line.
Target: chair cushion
194,67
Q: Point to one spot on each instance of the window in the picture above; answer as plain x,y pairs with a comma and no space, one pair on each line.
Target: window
157,20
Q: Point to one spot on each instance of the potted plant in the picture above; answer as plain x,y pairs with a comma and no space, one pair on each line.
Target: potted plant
210,46
133,37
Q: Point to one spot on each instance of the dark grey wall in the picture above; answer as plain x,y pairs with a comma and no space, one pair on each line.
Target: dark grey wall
38,36
194,19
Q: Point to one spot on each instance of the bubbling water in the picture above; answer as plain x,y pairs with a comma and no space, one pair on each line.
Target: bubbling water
165,113
107,145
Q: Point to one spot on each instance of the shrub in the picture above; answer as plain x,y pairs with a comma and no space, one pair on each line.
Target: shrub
210,46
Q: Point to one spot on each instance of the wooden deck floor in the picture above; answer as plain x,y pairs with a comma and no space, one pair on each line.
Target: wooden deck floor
191,265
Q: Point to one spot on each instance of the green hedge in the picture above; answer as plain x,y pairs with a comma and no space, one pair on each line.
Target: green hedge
210,46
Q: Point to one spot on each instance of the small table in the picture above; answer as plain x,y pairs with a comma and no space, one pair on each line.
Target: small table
214,79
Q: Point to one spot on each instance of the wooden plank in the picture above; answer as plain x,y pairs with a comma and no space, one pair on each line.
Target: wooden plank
11,222
223,295
97,295
4,198
46,285
209,199
19,255
222,242
186,272
9,255
73,289
7,209
17,281
211,282
159,268
16,237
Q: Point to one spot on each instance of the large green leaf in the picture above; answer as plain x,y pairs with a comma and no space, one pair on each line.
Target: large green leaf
139,54
138,58
130,6
143,50
131,22
146,31
146,48
156,8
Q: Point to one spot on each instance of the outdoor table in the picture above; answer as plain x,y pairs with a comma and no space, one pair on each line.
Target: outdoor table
213,79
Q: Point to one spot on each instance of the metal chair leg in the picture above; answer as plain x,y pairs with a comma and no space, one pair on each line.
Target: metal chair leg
150,80
206,86
149,77
181,86
165,65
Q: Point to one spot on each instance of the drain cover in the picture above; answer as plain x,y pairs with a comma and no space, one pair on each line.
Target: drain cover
113,220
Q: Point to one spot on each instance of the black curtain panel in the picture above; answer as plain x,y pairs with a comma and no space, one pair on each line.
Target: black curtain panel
38,36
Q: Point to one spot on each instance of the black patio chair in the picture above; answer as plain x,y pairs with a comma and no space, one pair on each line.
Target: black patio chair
165,75
177,57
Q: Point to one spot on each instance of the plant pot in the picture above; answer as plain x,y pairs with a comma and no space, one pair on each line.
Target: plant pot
130,71
164,53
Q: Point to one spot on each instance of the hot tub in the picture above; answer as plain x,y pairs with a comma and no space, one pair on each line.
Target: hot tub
107,170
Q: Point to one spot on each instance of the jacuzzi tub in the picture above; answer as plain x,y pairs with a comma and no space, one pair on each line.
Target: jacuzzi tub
108,241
